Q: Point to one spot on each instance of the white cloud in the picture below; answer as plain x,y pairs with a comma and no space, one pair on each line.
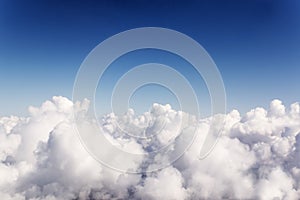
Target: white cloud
257,155
165,184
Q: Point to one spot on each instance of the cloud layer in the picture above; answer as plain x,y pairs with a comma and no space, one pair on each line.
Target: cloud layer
257,155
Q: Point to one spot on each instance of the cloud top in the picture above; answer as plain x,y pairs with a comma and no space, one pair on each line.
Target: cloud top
257,155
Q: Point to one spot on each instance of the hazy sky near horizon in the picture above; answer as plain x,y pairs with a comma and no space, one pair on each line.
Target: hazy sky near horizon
255,44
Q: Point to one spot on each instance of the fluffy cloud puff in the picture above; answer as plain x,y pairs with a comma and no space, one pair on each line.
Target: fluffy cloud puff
256,157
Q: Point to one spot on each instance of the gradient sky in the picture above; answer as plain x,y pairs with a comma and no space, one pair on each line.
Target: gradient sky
255,44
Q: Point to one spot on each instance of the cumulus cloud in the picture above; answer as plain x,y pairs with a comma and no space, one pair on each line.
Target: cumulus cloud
257,155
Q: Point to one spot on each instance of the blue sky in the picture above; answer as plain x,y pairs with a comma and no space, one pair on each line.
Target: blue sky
255,44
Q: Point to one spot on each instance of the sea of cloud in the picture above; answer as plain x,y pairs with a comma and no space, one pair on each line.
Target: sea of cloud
257,155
